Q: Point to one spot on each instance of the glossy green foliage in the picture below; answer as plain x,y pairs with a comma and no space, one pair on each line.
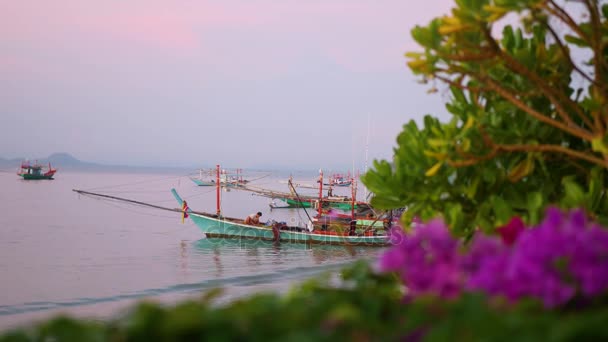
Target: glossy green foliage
364,307
529,117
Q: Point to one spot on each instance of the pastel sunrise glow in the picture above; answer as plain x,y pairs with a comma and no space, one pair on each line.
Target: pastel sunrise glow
242,83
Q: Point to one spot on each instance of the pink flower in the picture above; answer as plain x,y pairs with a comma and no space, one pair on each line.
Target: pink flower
510,231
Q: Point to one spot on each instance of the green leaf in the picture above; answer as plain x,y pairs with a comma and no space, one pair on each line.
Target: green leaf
576,41
535,202
598,145
502,210
574,194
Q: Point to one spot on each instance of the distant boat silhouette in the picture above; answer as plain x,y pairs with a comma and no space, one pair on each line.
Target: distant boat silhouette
34,171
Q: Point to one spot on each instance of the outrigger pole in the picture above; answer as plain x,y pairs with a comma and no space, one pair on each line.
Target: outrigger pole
82,192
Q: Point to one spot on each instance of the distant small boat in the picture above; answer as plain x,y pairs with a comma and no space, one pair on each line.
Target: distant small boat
338,180
34,171
338,202
201,182
226,178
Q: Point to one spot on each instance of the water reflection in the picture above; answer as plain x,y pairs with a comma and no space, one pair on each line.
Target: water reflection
244,256
219,268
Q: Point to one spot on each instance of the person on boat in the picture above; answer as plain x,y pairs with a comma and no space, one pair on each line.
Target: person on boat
253,219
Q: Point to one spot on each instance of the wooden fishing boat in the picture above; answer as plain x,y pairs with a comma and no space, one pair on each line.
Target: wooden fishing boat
201,182
226,178
365,218
292,200
338,180
205,178
35,171
218,226
338,202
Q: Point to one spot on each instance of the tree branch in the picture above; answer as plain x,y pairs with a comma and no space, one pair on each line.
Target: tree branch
576,130
556,149
566,54
565,18
456,84
596,36
468,58
498,148
521,69
596,122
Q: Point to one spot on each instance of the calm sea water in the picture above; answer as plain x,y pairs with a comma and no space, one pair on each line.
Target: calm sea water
61,252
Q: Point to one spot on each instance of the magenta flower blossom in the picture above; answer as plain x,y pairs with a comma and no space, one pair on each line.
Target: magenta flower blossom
510,231
561,258
427,261
485,263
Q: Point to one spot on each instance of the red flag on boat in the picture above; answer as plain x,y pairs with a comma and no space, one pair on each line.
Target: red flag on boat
184,211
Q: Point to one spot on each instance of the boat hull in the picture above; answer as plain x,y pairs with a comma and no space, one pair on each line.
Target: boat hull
35,177
202,182
222,228
297,204
291,203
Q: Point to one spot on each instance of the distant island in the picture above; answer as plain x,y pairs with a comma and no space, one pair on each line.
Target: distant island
66,162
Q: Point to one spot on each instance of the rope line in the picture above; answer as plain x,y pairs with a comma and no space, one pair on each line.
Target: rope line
82,192
123,206
133,183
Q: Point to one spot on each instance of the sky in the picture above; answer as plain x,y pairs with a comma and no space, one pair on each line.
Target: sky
242,83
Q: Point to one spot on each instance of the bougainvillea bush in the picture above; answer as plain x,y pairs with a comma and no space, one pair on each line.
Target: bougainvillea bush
563,259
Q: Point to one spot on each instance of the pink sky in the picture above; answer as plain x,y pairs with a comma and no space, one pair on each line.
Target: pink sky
123,54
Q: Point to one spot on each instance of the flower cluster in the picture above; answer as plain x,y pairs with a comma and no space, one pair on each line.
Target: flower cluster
564,256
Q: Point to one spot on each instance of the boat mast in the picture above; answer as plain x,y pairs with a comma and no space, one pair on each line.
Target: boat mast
353,191
217,188
320,191
366,153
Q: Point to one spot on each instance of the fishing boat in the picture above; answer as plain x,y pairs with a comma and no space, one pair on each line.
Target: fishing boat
338,202
226,178
218,226
292,200
204,178
35,171
201,182
365,217
338,179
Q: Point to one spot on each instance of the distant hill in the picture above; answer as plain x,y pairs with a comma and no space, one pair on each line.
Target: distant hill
66,162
